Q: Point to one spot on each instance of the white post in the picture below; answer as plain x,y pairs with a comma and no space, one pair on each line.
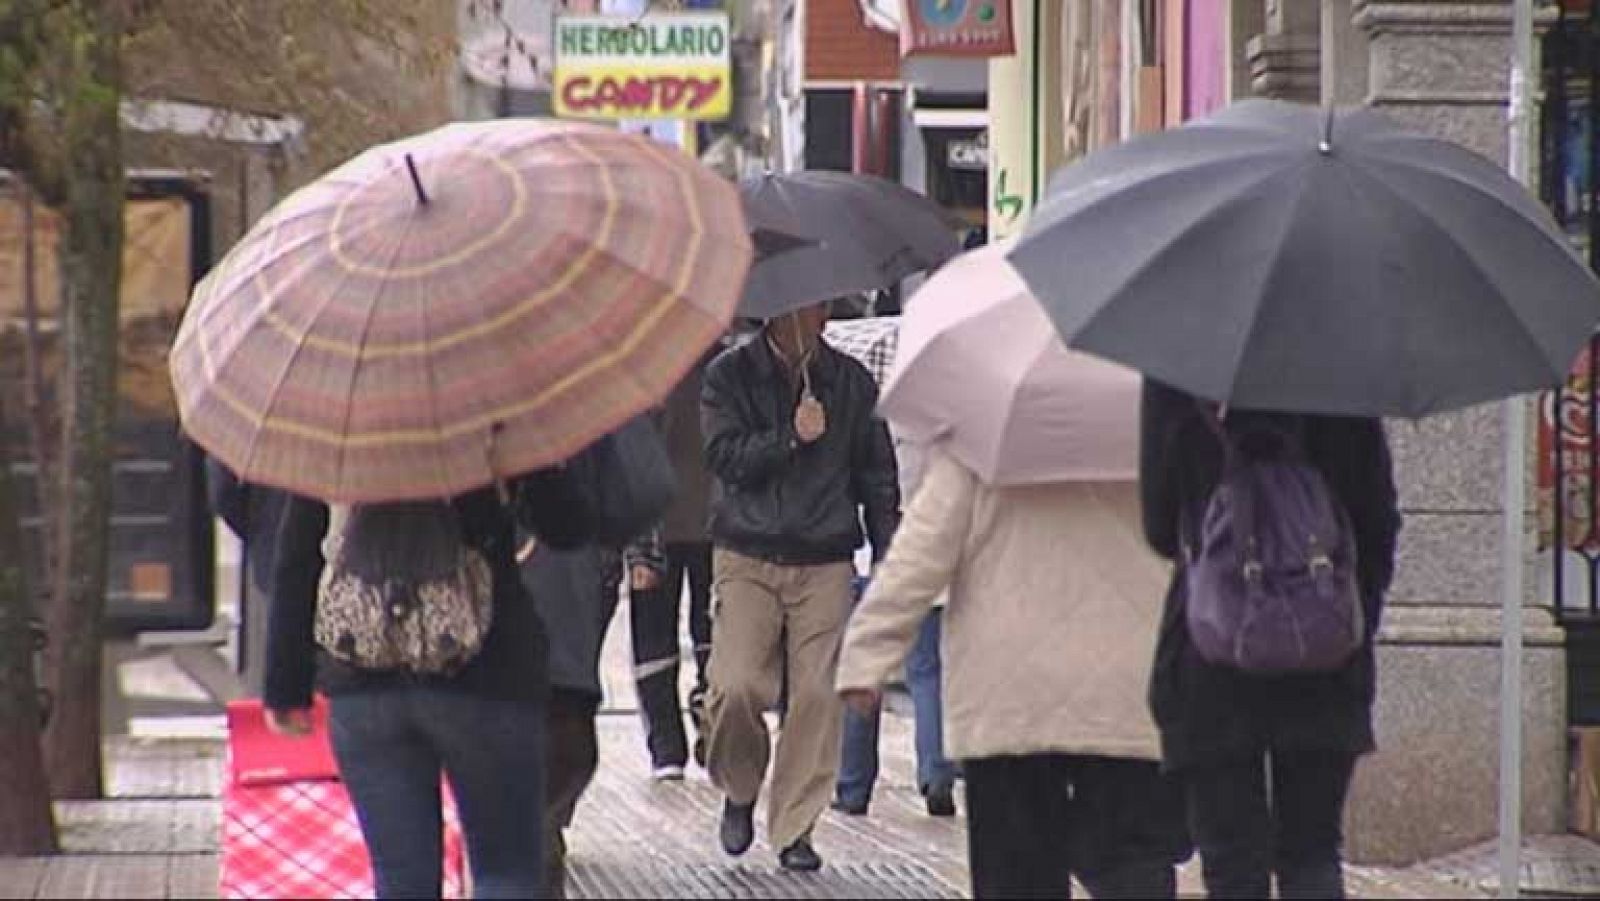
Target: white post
1513,501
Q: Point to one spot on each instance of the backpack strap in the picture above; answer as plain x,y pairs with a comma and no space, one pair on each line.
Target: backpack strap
1215,418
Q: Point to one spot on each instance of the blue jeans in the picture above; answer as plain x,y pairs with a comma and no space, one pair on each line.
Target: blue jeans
392,746
858,764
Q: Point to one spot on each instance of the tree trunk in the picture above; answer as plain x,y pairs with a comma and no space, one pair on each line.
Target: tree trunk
91,264
41,425
27,822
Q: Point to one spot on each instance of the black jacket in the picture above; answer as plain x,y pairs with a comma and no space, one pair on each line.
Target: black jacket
1208,713
253,512
783,501
512,662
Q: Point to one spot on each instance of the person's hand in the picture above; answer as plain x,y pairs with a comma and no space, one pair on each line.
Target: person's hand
294,723
643,578
862,700
810,420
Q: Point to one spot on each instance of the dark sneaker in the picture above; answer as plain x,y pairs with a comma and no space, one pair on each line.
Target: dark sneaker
738,827
849,807
941,801
800,856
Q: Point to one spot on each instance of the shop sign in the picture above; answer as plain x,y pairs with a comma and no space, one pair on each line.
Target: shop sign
1565,429
957,28
970,155
657,66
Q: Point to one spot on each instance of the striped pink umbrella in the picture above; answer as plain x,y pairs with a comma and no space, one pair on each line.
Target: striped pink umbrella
457,307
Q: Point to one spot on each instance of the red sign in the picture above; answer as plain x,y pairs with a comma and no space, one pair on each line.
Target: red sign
956,28
1565,428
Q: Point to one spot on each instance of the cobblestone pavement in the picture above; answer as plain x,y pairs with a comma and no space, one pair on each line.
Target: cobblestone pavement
632,837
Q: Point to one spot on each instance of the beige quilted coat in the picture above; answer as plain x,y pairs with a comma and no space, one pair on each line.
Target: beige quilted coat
1052,618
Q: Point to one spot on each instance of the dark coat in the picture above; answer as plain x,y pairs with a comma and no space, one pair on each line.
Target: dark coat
575,592
512,662
253,512
1208,713
688,518
783,501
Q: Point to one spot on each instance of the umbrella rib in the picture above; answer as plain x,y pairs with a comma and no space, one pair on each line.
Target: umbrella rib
1452,154
356,362
433,394
1049,213
1198,225
1508,310
263,417
1275,261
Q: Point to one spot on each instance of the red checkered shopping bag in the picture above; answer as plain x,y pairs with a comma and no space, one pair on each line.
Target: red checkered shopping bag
289,830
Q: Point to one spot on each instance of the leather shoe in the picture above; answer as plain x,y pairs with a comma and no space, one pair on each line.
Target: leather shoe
941,801
851,809
738,827
800,856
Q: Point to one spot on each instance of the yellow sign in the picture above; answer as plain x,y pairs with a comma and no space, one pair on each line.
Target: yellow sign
658,66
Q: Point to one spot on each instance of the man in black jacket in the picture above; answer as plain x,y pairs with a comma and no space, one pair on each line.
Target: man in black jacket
800,461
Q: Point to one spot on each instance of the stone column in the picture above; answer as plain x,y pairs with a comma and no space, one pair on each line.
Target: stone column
1285,62
1247,20
1442,67
1344,52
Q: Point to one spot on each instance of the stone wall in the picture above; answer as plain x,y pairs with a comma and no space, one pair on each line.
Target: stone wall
1443,68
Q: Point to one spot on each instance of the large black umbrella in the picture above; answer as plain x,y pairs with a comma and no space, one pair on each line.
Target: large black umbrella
866,233
1274,256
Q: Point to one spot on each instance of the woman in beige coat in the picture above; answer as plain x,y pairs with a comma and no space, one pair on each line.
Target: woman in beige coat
1054,602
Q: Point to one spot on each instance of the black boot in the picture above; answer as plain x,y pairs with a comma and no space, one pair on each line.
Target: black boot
800,856
941,801
738,826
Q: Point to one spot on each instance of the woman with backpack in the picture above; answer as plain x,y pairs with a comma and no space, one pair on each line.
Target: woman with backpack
1265,747
468,701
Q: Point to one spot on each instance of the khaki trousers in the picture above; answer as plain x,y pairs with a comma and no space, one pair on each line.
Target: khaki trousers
756,607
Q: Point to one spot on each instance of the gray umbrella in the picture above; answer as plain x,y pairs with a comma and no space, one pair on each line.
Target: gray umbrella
868,232
1275,257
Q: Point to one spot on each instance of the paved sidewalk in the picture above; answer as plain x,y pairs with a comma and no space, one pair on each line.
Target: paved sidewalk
157,837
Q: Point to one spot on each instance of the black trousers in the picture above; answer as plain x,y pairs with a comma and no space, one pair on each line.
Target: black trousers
573,755
653,616
1277,812
1036,821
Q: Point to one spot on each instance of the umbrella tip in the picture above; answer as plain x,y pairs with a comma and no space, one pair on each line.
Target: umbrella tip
1325,146
416,181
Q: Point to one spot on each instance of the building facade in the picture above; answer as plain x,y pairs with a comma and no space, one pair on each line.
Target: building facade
1089,73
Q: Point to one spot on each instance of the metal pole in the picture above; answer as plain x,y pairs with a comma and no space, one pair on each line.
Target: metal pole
1513,501
1132,59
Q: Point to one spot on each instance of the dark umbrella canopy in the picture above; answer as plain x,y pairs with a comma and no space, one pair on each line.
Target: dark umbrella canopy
867,233
1273,258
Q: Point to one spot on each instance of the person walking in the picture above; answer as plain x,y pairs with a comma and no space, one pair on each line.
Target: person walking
1051,619
396,731
674,557
800,462
575,593
858,757
252,512
1266,761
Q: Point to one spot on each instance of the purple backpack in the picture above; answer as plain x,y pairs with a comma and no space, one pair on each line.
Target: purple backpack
1271,577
